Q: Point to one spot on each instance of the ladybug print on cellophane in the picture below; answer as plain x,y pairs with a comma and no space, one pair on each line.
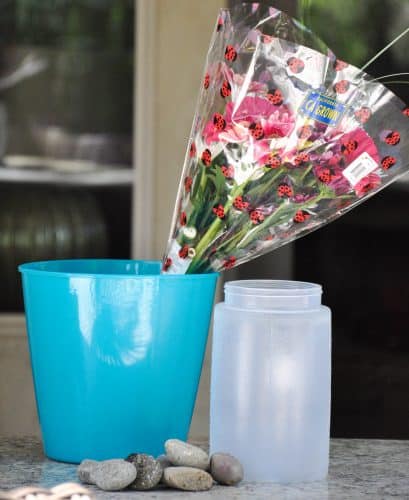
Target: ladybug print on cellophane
362,114
219,122
230,53
392,138
240,204
218,210
325,175
273,160
388,162
295,65
284,190
166,264
256,130
349,147
340,65
275,97
207,157
301,159
342,87
262,168
225,90
206,81
301,216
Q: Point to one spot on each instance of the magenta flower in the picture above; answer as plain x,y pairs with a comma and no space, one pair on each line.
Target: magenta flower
275,121
238,80
354,143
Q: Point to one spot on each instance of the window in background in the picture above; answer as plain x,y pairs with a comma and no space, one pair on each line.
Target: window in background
66,113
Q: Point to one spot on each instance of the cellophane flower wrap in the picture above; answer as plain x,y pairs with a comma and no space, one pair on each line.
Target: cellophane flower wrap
285,139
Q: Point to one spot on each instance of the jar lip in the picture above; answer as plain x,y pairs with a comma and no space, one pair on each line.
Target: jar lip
273,288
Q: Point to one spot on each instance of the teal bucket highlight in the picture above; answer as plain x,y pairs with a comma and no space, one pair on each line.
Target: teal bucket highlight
116,351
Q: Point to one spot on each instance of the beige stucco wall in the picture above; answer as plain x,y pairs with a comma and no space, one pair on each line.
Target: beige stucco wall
184,29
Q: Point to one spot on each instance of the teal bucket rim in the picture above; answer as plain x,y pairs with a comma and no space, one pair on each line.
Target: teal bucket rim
28,268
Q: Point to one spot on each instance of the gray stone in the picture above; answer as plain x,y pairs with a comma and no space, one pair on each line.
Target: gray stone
85,469
185,454
187,479
226,469
113,475
148,471
164,461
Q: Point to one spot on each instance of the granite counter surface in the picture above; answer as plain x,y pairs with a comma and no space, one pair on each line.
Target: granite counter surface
374,469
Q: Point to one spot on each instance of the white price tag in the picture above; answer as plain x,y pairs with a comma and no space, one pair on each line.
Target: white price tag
360,168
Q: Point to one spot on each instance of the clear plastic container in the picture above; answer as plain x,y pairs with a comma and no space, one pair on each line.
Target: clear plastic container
271,380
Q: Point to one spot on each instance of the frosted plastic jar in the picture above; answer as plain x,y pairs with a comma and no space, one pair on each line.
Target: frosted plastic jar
271,380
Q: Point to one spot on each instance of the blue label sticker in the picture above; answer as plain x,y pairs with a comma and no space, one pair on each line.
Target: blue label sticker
322,108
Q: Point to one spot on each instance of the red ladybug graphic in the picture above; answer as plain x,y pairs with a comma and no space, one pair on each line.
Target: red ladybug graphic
225,90
219,122
230,262
206,81
188,184
256,130
183,219
275,97
363,114
341,87
305,132
184,251
325,175
406,111
340,65
256,217
301,159
220,24
230,53
295,64
388,162
218,210
267,38
239,203
192,150
207,157
273,160
392,138
228,172
349,147
167,263
301,216
284,190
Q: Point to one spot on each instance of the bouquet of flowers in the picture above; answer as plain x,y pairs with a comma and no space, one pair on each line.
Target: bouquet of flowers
286,138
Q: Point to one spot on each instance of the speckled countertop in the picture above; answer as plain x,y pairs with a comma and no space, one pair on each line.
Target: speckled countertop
372,469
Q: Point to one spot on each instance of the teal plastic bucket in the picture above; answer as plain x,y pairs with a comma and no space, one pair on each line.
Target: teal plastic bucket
116,352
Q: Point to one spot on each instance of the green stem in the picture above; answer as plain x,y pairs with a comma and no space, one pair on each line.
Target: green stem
307,171
271,219
211,233
216,225
276,216
232,242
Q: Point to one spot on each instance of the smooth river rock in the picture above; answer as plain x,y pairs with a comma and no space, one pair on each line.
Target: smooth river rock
113,475
226,469
187,479
148,471
85,469
185,454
